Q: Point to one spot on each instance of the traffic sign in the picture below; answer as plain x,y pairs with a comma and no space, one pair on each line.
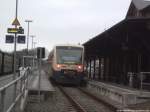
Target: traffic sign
15,30
16,22
9,39
20,30
21,39
40,52
12,30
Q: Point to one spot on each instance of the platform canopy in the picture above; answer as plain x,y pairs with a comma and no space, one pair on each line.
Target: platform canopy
129,35
141,4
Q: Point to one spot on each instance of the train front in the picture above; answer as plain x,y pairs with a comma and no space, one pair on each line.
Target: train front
69,64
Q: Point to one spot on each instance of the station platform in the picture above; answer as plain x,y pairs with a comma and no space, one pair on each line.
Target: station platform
123,95
47,91
43,86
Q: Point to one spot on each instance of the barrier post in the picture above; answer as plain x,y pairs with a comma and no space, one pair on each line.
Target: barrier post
40,74
131,75
3,93
141,79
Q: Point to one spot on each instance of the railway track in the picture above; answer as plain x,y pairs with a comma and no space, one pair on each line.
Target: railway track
5,80
83,101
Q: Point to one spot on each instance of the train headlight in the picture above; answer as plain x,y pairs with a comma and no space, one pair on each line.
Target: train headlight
58,66
79,67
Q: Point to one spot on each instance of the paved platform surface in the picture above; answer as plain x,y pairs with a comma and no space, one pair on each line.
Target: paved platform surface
39,90
46,105
45,85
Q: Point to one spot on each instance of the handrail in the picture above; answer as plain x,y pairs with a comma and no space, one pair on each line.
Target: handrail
5,78
8,85
131,74
22,81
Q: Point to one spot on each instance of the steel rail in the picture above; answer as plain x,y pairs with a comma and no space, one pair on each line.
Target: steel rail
73,102
98,99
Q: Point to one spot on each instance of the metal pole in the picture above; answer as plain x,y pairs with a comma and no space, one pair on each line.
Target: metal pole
32,41
28,21
34,54
16,8
32,36
14,76
40,75
15,45
2,107
141,76
34,44
23,61
28,38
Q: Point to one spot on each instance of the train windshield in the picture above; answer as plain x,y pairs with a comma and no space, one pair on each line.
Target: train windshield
69,55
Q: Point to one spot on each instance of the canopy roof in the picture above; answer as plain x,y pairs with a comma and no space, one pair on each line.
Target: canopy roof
120,37
141,4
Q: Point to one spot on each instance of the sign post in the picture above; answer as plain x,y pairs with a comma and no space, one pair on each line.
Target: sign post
13,39
40,55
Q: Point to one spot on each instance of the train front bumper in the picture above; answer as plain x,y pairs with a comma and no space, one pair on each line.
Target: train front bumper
68,77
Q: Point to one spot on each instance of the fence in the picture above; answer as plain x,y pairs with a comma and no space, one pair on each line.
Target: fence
13,92
141,75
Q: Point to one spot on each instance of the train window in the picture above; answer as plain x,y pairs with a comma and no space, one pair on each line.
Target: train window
70,55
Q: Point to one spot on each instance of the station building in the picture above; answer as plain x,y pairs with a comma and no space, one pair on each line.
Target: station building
121,53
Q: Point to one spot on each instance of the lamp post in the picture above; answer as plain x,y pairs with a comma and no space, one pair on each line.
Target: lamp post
34,43
28,21
34,52
32,36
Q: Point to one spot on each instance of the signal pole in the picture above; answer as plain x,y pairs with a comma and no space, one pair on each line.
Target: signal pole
32,36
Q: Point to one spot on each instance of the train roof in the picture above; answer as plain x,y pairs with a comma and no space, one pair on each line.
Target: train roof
73,45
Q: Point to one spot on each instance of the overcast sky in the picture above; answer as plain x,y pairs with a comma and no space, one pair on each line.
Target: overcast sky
61,21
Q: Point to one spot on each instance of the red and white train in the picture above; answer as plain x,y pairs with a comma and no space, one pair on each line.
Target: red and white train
67,64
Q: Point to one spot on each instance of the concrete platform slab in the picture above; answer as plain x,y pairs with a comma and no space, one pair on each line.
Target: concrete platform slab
45,85
121,94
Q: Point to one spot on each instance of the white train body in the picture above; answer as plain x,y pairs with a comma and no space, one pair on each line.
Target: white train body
67,63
